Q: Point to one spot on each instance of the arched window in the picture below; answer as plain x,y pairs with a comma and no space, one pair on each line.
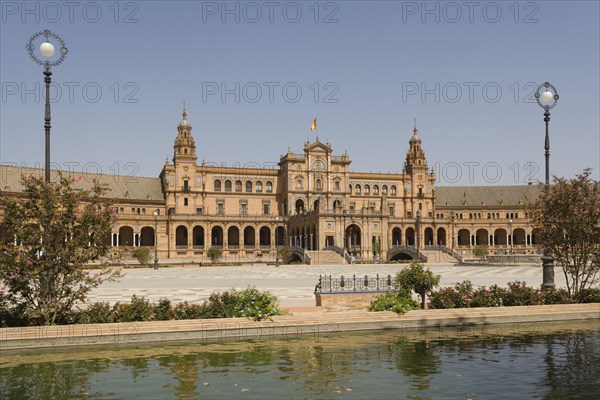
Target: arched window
384,190
269,187
133,210
318,165
228,186
259,186
217,185
357,189
367,189
248,186
143,211
376,190
393,190
238,186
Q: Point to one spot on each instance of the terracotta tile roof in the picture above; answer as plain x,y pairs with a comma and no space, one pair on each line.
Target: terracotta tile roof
120,187
458,196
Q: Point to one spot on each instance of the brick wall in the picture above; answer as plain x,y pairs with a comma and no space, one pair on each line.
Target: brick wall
344,301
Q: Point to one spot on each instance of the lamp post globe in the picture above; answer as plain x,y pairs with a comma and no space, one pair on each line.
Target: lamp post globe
547,98
47,51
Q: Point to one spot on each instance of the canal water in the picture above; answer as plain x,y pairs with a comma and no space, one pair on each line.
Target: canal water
541,361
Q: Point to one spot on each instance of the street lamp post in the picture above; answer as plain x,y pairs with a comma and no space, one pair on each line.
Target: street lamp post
547,100
418,234
452,216
276,242
47,51
155,213
304,245
510,221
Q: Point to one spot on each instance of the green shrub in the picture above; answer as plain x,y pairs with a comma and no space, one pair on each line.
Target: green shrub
162,310
185,310
96,313
591,295
391,301
142,254
139,309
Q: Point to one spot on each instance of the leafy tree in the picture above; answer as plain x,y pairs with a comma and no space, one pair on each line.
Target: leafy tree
417,279
57,230
481,251
142,254
214,253
567,215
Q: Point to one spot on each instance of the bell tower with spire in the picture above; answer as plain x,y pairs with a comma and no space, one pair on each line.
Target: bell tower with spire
184,148
415,156
419,188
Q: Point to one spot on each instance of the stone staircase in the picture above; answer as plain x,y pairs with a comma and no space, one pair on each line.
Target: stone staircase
325,257
438,257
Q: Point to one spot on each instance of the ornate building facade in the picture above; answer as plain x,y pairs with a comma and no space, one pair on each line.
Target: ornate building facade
312,203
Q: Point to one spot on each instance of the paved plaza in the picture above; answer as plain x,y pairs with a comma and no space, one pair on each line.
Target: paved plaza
293,284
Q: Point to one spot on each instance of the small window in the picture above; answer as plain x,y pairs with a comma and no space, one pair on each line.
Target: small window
220,207
384,190
269,187
198,211
248,186
198,181
357,189
393,190
133,210
238,186
266,208
259,186
336,184
143,211
121,210
217,185
367,189
228,186
392,211
319,185
186,185
185,201
352,205
376,190
299,184
243,208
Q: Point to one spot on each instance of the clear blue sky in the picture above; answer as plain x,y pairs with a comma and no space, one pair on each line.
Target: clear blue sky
377,66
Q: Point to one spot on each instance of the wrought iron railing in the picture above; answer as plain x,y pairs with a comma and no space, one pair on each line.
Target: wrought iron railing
355,284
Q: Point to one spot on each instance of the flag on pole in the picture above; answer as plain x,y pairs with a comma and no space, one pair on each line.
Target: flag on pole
314,125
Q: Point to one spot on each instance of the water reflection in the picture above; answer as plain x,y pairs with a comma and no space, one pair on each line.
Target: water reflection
557,362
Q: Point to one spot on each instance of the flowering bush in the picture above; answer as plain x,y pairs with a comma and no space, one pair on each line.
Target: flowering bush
249,302
492,297
518,294
444,298
556,296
